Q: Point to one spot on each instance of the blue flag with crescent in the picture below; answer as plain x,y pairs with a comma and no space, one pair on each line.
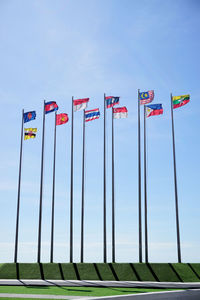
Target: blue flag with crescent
146,97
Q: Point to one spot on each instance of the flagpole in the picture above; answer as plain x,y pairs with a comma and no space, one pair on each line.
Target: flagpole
104,187
19,189
139,183
175,186
53,193
71,188
83,184
113,193
145,190
41,190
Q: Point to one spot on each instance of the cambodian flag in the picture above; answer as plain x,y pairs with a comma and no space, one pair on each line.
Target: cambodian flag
120,112
111,101
91,115
50,107
80,104
154,110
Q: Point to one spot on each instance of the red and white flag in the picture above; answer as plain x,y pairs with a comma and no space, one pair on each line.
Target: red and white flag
80,104
120,112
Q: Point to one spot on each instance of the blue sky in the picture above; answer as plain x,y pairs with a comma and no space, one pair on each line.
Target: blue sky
54,50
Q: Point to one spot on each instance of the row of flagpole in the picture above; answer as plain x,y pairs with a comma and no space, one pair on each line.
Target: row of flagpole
81,104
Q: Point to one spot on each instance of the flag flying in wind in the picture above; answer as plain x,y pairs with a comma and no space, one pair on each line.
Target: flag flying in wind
61,119
50,107
29,116
111,101
179,101
29,133
120,112
146,97
154,110
80,104
91,115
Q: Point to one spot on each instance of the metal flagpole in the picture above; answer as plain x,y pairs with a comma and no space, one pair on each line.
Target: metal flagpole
41,189
139,183
113,194
145,190
175,186
83,184
19,189
71,189
104,187
53,193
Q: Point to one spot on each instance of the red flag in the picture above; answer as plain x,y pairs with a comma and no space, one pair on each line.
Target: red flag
61,119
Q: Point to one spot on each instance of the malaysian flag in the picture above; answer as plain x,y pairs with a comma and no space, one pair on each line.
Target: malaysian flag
91,115
146,97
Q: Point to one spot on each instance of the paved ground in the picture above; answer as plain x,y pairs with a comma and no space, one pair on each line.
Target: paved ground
93,283
182,295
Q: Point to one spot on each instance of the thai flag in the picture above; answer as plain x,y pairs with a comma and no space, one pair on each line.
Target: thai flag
111,101
146,97
80,104
154,110
120,112
91,115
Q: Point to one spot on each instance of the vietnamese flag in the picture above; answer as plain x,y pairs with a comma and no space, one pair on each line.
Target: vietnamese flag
61,119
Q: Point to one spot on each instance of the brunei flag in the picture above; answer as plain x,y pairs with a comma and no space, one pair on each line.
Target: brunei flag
29,133
179,101
154,110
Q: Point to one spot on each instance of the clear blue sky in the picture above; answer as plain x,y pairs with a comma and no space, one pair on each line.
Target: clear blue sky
57,49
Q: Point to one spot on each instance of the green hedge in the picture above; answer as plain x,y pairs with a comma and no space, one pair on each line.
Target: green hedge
100,271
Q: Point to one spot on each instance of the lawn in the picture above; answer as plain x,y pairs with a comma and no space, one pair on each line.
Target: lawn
75,291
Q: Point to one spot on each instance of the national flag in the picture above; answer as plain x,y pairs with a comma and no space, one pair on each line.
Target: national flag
61,119
91,115
29,133
154,110
80,104
146,97
29,116
111,101
50,107
120,112
179,101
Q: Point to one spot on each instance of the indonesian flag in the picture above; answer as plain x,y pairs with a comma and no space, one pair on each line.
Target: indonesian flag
61,119
80,104
120,112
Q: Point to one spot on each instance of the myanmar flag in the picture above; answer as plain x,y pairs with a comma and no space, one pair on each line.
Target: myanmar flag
180,100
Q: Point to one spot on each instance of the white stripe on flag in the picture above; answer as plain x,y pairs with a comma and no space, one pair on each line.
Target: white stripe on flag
120,115
80,106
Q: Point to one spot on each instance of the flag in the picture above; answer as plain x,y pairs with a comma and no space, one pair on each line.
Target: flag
179,101
120,112
61,119
29,133
29,116
80,104
111,101
146,97
91,115
50,107
154,110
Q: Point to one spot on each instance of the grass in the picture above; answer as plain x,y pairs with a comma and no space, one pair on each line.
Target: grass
100,271
75,291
